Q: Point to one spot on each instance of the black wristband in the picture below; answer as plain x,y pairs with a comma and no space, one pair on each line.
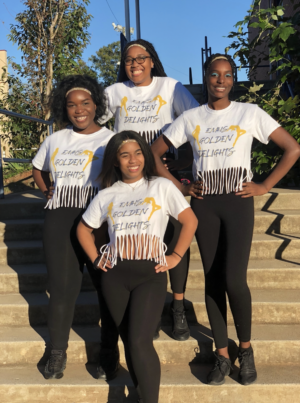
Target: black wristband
177,254
96,262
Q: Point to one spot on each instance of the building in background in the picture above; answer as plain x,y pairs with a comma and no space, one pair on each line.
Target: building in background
262,72
3,90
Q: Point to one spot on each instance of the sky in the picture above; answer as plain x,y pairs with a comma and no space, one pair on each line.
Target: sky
176,28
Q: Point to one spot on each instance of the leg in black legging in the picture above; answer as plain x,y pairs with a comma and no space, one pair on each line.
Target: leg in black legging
64,273
135,296
224,238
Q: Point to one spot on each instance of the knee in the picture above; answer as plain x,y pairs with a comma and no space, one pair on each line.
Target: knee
139,345
237,289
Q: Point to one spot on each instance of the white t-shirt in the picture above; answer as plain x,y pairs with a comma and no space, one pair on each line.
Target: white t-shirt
139,212
147,110
75,163
221,142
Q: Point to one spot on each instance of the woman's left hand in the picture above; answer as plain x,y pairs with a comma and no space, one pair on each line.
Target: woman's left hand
252,189
172,261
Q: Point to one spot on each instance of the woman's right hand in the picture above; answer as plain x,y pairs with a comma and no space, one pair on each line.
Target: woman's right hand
104,262
193,189
49,192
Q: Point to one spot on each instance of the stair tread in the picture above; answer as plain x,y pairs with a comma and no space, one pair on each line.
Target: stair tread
196,296
21,244
259,332
189,374
34,196
23,221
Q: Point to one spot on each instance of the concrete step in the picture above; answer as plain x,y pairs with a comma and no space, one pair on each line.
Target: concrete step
279,221
22,205
268,306
30,278
267,246
21,252
273,344
21,229
264,246
262,274
179,384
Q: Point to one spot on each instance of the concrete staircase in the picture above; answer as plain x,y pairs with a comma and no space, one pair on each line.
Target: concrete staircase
274,278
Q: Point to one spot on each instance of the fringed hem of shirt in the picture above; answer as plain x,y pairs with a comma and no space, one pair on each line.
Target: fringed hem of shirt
225,180
142,247
72,196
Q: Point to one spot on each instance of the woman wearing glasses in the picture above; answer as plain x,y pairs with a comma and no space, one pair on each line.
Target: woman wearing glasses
147,101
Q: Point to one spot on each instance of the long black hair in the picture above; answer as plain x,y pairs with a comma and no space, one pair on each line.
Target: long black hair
110,172
57,98
208,63
157,70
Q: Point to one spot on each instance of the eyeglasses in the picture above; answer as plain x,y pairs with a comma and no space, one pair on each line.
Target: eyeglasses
140,60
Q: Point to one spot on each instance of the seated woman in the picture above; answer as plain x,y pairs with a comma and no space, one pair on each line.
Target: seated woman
136,206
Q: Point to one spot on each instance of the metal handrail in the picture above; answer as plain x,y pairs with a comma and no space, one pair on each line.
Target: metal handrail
18,160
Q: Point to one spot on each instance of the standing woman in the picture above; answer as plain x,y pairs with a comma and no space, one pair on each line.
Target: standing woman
73,156
147,101
136,206
221,133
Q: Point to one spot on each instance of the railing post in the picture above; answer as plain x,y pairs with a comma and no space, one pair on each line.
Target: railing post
1,174
191,76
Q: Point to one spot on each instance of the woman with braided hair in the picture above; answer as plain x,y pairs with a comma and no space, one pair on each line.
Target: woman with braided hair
221,134
147,101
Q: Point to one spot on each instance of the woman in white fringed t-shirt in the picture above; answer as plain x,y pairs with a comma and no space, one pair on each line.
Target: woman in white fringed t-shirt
137,206
221,134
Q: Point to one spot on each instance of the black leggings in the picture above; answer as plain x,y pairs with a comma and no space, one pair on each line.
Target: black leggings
178,275
224,238
135,295
65,260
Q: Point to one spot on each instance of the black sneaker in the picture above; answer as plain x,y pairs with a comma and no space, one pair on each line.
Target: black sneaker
56,365
156,334
108,364
221,369
180,331
247,374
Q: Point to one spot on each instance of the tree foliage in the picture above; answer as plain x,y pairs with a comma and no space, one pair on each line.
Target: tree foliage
52,35
106,63
276,42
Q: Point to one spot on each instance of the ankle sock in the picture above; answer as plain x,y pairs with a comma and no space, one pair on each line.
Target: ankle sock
178,305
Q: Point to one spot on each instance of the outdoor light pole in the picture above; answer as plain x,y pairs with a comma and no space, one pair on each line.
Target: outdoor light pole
127,20
138,21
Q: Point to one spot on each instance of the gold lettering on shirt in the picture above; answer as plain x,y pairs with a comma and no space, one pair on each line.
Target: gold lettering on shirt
109,211
53,157
155,206
195,134
123,105
91,158
239,132
161,102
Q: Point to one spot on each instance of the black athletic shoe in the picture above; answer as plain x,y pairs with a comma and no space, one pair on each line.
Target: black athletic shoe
180,331
221,369
247,374
108,364
56,365
156,334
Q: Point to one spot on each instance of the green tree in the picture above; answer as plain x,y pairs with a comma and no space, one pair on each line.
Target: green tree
52,35
280,36
106,63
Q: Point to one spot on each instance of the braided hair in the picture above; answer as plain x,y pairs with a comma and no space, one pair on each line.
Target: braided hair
208,63
57,99
157,70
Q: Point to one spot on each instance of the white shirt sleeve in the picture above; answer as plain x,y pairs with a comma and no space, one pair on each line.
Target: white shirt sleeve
175,201
263,125
176,132
183,99
108,113
93,215
42,159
